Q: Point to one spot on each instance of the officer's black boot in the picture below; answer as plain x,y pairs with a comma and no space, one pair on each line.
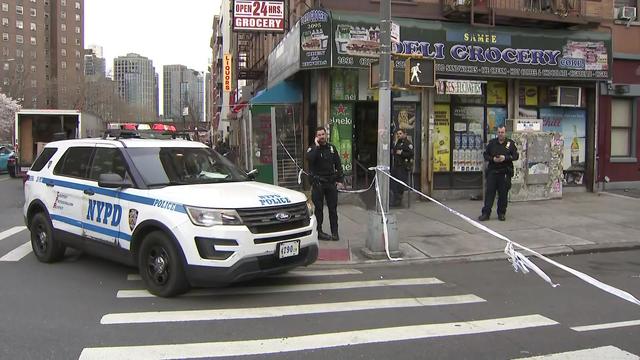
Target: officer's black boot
323,236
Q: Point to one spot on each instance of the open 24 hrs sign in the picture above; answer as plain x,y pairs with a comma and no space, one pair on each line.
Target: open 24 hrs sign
251,15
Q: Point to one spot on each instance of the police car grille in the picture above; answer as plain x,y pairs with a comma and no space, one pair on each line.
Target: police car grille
263,220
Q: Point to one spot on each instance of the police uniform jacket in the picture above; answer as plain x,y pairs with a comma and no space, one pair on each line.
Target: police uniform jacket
403,160
324,163
495,148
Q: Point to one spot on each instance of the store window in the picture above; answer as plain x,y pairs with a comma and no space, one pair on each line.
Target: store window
622,128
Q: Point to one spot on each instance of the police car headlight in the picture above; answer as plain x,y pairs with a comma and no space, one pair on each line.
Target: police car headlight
211,217
310,209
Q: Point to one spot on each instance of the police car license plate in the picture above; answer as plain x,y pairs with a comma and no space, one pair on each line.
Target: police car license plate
288,248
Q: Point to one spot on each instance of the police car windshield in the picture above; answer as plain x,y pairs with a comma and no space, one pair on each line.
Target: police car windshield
183,166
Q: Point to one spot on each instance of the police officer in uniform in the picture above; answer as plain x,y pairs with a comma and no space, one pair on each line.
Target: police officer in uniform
402,163
500,153
326,171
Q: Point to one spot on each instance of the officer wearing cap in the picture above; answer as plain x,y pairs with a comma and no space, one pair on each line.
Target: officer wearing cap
326,172
500,153
402,163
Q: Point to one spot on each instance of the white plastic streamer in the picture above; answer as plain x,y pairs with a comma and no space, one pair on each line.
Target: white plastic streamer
385,229
521,262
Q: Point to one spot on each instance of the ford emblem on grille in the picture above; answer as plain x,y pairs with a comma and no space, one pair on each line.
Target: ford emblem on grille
283,216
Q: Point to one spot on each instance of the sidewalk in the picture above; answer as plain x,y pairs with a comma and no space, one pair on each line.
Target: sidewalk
578,223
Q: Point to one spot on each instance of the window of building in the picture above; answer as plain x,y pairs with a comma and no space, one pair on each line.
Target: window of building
5,21
77,5
63,2
19,39
19,53
77,29
34,83
5,7
5,81
33,12
33,26
77,53
77,17
63,52
6,66
33,68
77,41
63,27
63,40
19,24
621,3
19,10
33,1
623,123
20,68
63,14
63,64
5,51
34,55
33,40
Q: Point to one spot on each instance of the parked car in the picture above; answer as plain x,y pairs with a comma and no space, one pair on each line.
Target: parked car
6,153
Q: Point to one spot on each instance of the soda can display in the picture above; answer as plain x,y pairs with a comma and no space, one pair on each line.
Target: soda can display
465,141
478,141
458,140
456,160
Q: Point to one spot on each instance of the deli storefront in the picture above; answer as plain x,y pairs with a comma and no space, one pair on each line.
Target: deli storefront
485,77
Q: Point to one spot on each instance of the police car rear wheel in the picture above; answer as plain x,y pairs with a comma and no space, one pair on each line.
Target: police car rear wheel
45,247
161,266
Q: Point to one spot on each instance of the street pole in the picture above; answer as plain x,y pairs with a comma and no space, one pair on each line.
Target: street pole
376,246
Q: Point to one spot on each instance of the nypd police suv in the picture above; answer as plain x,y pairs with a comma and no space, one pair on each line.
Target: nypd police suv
179,211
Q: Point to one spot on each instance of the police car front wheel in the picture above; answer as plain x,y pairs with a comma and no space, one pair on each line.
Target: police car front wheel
161,266
46,248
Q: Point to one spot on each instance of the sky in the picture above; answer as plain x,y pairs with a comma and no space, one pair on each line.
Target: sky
165,31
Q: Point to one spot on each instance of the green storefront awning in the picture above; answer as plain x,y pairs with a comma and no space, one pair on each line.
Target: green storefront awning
285,92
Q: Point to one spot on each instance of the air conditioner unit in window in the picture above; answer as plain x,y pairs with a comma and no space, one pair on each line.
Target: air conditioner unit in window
570,96
627,13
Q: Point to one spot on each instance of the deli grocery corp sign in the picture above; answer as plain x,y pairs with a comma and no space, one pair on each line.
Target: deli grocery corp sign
250,15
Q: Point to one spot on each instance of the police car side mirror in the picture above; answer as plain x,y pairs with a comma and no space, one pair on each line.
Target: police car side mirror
113,181
252,174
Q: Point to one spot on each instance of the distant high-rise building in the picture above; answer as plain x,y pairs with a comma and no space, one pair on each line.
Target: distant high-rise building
136,82
182,88
41,58
94,65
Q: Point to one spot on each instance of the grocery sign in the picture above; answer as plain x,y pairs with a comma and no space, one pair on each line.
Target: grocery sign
250,15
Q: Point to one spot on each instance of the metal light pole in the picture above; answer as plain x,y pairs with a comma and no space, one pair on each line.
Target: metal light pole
375,244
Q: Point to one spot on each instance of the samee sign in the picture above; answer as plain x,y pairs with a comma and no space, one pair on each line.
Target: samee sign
250,15
226,72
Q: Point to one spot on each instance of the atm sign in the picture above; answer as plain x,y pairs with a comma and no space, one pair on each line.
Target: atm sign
250,15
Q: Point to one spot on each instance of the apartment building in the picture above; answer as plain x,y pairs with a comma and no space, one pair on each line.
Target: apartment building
183,88
137,84
41,55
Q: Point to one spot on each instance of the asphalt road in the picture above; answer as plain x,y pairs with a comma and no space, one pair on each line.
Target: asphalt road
90,308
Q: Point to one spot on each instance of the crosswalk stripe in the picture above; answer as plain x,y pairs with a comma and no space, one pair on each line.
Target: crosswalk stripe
277,311
18,253
290,288
317,341
606,326
10,232
604,352
328,272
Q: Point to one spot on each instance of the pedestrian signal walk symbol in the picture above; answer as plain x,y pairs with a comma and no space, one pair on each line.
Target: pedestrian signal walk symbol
420,72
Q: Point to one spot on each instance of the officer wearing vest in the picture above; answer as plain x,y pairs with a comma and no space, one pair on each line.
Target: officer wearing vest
402,164
326,171
500,153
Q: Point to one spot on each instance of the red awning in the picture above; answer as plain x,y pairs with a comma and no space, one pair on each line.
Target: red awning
238,107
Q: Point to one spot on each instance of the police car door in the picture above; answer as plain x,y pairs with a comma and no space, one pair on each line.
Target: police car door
67,183
102,209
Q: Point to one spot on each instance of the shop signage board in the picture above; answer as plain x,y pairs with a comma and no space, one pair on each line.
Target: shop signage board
315,39
259,16
226,72
459,87
459,49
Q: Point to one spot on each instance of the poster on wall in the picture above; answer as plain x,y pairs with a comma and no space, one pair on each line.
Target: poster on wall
344,85
496,117
571,123
528,95
468,143
341,132
441,138
496,93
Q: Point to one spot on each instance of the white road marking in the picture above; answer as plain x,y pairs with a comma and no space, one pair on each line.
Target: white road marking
606,326
278,311
313,342
14,230
134,277
18,253
290,288
604,352
328,272
5,178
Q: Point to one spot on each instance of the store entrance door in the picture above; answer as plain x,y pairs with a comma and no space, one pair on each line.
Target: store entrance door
365,142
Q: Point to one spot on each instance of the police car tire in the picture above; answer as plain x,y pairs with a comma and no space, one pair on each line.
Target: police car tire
170,280
46,248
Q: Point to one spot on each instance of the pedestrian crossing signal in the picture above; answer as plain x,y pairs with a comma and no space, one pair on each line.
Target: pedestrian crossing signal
420,72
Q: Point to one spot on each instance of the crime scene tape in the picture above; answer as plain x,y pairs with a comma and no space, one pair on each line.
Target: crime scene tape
518,260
